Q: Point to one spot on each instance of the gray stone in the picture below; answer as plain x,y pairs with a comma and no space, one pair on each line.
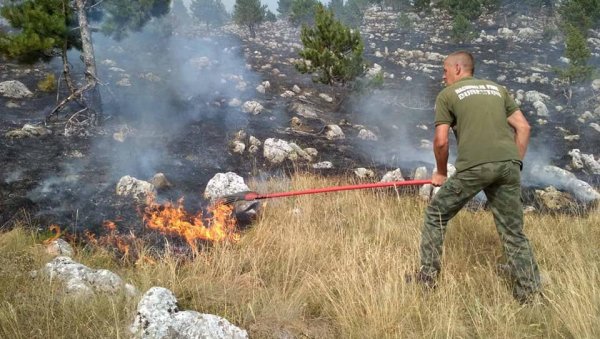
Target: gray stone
28,131
252,107
140,190
158,316
395,175
59,247
222,184
14,89
334,132
81,280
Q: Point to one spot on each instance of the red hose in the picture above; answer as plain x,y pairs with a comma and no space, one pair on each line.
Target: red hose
254,195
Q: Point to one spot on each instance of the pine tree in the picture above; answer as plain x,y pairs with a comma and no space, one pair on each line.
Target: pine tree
303,12
462,30
211,12
44,30
332,52
578,53
249,13
180,14
284,7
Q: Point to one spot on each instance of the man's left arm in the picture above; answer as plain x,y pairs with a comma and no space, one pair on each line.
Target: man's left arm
522,130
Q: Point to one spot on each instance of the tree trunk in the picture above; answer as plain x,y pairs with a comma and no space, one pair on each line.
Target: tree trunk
92,95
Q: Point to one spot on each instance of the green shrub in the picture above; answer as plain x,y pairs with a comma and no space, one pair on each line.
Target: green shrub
48,84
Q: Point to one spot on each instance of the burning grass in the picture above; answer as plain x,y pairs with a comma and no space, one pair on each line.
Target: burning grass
329,266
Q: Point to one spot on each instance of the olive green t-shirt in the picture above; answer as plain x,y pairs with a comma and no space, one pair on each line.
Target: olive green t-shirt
477,110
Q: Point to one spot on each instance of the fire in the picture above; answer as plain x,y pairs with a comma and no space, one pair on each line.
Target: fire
56,230
173,219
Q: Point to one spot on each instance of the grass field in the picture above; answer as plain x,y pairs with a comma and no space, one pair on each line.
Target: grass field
328,266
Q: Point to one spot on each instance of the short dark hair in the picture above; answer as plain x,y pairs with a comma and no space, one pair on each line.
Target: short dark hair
466,60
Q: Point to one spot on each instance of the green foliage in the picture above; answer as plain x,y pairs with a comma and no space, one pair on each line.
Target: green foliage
211,12
462,30
284,7
337,7
122,16
332,51
303,12
354,11
404,22
470,9
270,16
180,13
578,54
583,14
48,84
422,5
43,29
249,13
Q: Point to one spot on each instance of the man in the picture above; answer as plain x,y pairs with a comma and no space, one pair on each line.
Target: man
492,136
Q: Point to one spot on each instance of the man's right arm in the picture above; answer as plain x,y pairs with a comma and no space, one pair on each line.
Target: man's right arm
522,130
440,150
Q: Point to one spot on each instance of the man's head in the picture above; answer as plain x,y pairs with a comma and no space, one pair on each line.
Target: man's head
457,66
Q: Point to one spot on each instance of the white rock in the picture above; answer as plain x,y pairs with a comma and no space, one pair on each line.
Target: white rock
82,280
235,102
296,89
260,89
253,107
596,84
323,165
287,94
365,134
222,184
276,150
140,190
541,109
362,173
395,175
303,110
587,161
325,97
159,317
59,247
238,147
533,96
334,132
14,89
564,180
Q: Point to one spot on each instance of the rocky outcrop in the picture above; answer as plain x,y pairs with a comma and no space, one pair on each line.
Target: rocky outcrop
139,190
81,280
223,184
14,89
158,317
28,131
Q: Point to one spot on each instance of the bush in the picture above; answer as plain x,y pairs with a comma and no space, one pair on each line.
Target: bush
462,30
404,22
48,84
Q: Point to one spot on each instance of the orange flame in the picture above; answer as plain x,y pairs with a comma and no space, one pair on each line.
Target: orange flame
173,219
56,230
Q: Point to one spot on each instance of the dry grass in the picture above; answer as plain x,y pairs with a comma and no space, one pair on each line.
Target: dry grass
331,266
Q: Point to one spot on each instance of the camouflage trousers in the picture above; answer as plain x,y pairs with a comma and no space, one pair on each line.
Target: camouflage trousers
501,183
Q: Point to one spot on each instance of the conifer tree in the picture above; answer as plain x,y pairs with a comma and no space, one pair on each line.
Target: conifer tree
211,12
249,13
462,30
578,53
332,52
303,12
284,7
